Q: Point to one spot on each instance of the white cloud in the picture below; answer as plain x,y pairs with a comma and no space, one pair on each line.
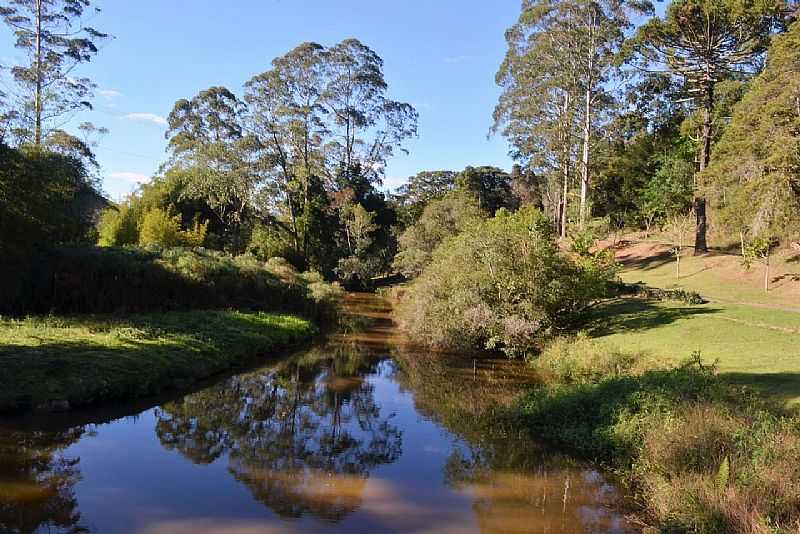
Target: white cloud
109,94
130,177
146,117
456,59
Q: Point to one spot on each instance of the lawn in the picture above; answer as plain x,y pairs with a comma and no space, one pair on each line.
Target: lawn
58,362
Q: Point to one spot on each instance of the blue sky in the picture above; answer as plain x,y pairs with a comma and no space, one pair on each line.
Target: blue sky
440,55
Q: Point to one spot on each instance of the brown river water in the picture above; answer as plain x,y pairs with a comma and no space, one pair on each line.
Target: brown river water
359,434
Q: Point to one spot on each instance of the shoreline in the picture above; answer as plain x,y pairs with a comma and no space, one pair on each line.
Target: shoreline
56,364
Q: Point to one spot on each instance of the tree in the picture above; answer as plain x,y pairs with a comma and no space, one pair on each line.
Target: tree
323,115
561,56
490,186
754,177
420,189
441,218
214,157
56,41
704,42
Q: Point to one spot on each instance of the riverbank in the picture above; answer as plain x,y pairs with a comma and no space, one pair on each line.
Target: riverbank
56,363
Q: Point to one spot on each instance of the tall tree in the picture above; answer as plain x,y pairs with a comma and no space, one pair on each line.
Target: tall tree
755,174
561,56
324,116
218,162
703,42
56,40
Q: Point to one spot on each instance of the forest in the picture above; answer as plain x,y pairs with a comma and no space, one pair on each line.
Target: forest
630,124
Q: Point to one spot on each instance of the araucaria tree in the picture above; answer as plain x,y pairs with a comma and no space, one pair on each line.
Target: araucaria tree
754,179
704,42
56,40
555,76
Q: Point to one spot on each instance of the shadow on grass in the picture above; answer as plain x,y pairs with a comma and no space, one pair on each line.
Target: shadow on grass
649,263
584,417
780,389
636,314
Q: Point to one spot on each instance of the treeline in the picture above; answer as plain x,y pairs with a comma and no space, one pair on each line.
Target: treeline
636,125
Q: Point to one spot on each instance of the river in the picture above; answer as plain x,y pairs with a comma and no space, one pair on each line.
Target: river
358,434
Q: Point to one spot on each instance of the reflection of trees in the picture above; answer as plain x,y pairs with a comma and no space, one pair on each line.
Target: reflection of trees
303,436
516,485
36,481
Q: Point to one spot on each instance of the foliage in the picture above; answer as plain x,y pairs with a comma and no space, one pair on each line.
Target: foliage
45,197
159,228
52,34
439,220
705,42
105,280
421,189
582,360
500,284
754,179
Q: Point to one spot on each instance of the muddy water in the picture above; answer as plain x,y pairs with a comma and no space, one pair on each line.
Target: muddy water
361,434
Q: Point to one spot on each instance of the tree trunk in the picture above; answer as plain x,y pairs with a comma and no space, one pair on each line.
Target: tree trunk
587,133
37,133
565,167
700,245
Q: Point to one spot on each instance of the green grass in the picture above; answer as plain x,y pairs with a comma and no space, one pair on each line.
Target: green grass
48,360
720,278
755,346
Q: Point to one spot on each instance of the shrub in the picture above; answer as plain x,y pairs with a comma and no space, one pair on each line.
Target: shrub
159,228
441,219
581,360
500,284
702,456
82,279
118,227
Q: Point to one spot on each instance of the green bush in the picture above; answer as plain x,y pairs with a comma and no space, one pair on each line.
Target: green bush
83,279
159,228
501,284
581,360
442,218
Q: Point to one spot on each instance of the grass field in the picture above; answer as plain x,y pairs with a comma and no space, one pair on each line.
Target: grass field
58,362
754,336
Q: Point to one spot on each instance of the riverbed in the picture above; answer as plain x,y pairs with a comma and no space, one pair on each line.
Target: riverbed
361,433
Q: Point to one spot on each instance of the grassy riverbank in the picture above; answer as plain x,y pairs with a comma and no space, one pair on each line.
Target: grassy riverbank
59,362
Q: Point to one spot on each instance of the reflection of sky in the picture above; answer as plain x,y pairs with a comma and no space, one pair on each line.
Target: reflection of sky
131,483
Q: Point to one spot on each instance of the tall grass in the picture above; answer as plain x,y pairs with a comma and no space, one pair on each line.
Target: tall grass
699,454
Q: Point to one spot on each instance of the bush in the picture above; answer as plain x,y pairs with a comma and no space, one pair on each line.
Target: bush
159,228
501,284
581,360
83,279
441,219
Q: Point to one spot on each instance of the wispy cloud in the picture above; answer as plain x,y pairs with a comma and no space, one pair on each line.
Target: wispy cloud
456,59
109,94
130,177
146,117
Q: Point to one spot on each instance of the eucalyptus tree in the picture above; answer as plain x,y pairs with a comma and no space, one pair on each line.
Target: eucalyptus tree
562,54
324,116
216,159
703,42
56,40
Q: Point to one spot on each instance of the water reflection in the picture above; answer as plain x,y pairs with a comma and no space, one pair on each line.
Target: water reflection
302,437
37,482
365,433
